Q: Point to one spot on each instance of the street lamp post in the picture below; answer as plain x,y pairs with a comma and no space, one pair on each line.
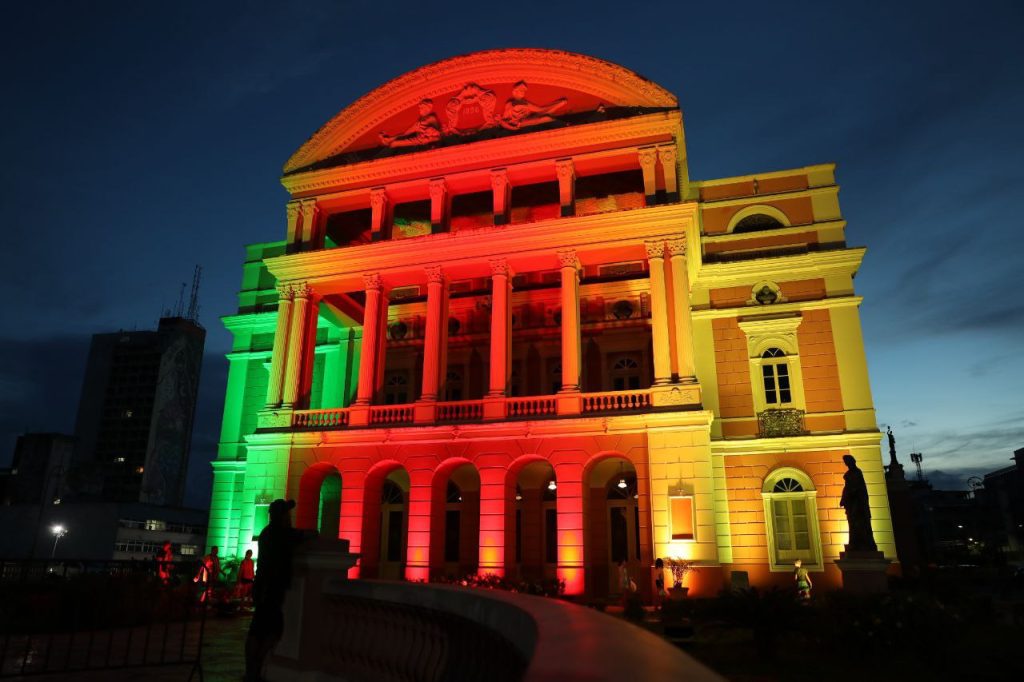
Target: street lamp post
58,531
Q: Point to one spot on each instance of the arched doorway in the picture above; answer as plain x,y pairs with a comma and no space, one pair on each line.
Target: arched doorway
614,533
534,531
455,520
319,506
394,514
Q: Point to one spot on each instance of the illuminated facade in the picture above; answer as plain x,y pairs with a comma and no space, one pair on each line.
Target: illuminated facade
507,333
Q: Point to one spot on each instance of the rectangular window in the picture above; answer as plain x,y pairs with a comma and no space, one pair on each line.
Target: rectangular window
681,509
783,372
770,396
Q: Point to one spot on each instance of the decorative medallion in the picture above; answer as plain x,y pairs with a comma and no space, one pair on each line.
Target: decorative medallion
470,111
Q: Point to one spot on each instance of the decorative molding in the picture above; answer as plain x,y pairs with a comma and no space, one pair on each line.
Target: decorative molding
285,292
777,423
438,189
302,290
648,157
477,98
373,281
606,81
667,154
499,267
763,333
499,179
435,274
655,249
565,169
567,258
378,198
292,209
676,247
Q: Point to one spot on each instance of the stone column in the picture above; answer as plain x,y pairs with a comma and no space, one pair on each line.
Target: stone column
372,337
277,357
297,345
440,203
294,236
501,327
659,314
433,343
667,158
570,321
648,159
380,214
681,309
566,172
502,195
310,236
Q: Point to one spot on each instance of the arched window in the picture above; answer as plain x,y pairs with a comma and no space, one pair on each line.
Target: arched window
396,388
757,223
775,378
625,373
791,519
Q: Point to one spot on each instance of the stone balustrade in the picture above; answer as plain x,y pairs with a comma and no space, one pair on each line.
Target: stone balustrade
360,630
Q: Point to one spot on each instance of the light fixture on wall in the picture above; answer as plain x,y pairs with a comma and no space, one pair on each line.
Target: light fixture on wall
622,479
519,496
552,485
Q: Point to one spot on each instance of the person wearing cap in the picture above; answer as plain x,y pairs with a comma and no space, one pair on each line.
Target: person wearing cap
277,544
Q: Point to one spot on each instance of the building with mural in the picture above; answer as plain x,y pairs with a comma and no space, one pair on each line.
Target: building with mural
506,332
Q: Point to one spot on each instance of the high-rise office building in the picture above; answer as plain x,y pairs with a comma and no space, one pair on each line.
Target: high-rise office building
134,425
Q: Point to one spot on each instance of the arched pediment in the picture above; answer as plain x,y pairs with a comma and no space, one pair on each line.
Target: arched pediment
473,94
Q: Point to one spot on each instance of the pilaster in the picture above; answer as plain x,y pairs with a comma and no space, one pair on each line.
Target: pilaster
569,401
667,158
566,172
502,189
648,162
277,362
659,314
681,322
380,212
440,205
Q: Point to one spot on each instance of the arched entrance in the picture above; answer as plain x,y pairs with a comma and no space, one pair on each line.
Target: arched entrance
319,506
534,540
385,522
455,520
614,531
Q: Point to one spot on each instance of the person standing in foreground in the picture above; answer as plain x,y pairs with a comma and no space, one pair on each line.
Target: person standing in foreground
246,577
277,544
803,581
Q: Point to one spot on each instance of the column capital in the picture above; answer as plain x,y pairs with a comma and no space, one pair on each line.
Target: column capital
499,179
565,169
292,208
567,259
667,153
435,274
499,267
648,156
373,281
438,188
285,291
378,198
655,249
302,290
677,246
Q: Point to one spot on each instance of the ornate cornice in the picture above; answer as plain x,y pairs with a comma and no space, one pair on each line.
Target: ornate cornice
483,154
607,82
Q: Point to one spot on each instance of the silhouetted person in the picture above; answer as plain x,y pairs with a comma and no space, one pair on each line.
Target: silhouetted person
802,577
209,573
858,512
273,576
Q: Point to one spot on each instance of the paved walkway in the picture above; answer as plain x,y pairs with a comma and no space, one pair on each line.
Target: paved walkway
223,660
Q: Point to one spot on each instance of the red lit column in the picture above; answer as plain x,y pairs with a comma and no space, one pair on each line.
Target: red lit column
502,195
570,321
350,525
681,308
501,327
569,507
566,172
372,338
277,357
437,304
648,163
297,345
439,205
492,520
659,314
417,558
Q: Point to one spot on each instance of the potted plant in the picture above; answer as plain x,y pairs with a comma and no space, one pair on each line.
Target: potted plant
679,568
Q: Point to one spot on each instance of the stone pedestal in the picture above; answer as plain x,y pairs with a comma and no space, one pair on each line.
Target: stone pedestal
864,571
316,561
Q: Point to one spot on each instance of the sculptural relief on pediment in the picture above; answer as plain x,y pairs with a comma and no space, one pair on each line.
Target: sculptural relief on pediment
470,111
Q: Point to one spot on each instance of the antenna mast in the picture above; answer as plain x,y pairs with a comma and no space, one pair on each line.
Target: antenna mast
193,303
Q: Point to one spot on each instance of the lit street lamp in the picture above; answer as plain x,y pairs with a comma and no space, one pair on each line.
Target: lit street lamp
58,531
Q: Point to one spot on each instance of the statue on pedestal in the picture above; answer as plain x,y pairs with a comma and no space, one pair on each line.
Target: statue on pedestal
858,512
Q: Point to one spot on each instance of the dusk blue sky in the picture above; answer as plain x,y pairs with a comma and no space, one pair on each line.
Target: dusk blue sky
141,138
